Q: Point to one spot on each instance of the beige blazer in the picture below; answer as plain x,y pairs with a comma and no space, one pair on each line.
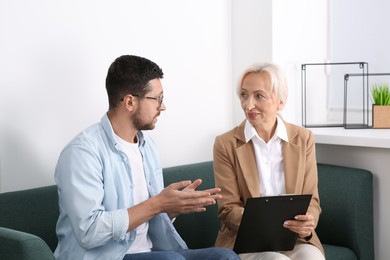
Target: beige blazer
236,174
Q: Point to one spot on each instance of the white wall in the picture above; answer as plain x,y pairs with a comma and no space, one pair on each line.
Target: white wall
251,41
55,54
360,32
54,59
299,36
288,33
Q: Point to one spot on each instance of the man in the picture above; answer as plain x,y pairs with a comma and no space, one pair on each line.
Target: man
112,201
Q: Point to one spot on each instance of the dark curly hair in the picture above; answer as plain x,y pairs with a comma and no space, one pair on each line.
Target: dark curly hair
130,74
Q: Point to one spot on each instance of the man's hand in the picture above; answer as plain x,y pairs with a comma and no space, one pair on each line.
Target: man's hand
177,198
183,198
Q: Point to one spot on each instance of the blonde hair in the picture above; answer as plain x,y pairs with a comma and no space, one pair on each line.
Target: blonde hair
278,79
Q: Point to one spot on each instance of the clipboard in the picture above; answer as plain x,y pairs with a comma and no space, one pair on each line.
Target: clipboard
261,227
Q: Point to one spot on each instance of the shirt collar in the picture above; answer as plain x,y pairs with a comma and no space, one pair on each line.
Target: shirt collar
280,132
106,124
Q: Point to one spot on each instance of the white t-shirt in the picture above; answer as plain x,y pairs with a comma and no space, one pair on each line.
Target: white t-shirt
142,242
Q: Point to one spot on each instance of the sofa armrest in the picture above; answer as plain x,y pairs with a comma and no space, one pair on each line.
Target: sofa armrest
346,196
22,246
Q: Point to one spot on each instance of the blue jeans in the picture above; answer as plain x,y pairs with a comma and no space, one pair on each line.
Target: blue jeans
211,253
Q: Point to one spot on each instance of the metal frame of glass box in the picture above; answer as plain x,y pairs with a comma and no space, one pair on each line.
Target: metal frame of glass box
361,68
366,120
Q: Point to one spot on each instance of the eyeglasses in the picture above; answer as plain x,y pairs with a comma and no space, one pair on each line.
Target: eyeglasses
159,99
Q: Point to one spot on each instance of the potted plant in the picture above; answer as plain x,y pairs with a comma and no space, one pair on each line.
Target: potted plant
381,105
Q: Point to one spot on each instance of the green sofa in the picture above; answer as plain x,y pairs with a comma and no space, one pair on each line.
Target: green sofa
28,217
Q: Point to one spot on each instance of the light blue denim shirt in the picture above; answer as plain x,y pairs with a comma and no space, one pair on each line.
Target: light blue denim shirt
95,189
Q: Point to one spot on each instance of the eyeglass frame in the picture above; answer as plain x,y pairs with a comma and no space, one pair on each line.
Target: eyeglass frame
160,99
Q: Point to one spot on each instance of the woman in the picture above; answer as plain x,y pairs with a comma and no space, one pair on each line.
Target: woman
266,156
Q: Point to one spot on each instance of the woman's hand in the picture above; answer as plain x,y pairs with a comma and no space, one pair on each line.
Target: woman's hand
303,225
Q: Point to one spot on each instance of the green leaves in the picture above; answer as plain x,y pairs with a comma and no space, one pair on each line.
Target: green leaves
381,94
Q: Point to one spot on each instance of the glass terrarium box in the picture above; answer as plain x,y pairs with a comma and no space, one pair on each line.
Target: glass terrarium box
378,101
329,100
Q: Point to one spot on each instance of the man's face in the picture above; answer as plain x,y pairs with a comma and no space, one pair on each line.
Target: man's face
149,107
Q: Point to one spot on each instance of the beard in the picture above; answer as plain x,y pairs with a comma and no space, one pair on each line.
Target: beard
140,124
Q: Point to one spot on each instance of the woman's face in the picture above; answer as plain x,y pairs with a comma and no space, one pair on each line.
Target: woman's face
258,102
